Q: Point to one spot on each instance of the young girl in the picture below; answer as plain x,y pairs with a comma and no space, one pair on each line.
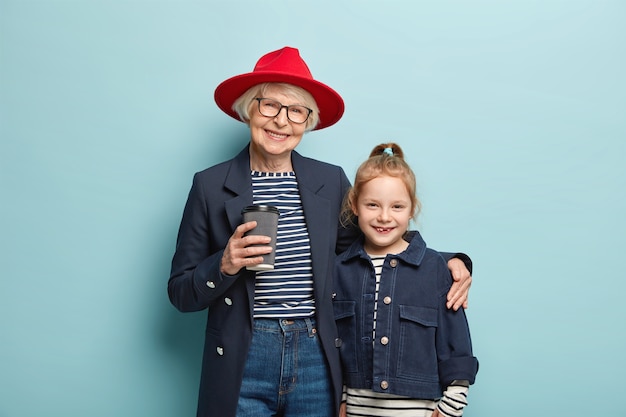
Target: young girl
403,352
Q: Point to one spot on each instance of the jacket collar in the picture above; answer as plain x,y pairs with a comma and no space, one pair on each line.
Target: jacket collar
238,177
413,255
241,184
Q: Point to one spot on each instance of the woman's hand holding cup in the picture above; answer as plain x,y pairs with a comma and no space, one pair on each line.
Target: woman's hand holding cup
239,251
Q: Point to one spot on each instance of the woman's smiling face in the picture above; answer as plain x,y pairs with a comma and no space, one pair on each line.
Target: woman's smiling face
274,137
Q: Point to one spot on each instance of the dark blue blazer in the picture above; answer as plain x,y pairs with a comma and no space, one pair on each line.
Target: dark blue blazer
211,214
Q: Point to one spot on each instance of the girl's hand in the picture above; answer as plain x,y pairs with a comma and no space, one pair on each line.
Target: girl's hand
342,410
457,296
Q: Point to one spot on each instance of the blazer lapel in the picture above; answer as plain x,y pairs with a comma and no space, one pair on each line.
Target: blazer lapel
317,213
239,182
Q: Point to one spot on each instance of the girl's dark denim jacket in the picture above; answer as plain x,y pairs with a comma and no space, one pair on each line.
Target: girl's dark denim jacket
421,346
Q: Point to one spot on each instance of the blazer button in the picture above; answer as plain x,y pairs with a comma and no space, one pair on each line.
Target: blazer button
384,384
393,263
210,284
220,351
384,340
387,300
338,342
228,301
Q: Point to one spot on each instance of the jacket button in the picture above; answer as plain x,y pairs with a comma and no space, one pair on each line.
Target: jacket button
228,301
393,263
220,350
387,300
384,340
338,342
210,284
384,384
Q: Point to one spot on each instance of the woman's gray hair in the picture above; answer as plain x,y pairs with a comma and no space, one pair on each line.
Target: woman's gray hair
246,102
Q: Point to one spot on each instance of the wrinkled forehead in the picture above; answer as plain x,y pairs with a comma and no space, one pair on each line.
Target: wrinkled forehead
288,90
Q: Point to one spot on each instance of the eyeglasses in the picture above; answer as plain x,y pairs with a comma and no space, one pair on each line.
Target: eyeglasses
271,108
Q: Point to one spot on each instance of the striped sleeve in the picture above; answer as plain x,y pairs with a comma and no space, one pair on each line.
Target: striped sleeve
454,399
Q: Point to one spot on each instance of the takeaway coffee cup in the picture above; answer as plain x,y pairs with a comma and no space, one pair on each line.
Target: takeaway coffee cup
266,218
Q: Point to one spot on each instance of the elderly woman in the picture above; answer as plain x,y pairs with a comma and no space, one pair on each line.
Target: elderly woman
270,343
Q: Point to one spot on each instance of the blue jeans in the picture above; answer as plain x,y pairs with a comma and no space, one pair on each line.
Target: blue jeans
286,373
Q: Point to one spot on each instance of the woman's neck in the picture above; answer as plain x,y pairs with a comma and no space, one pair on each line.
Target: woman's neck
270,163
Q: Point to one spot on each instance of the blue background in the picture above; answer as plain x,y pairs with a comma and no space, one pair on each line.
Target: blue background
512,114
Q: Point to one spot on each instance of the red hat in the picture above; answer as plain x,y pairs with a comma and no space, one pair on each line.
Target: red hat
282,66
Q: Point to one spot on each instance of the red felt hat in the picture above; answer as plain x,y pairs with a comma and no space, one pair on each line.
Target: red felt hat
282,66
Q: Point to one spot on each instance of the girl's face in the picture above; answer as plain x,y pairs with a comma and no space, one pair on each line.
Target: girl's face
384,211
274,138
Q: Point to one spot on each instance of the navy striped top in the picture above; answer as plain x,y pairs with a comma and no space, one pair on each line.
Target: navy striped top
287,290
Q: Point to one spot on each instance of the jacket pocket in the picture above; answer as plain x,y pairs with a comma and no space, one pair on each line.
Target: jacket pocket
417,356
345,318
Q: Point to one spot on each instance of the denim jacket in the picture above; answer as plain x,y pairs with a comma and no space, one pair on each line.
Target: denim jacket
421,346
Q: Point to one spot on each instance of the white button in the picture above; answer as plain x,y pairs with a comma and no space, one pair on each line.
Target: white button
393,263
210,284
384,384
228,301
220,350
387,300
384,340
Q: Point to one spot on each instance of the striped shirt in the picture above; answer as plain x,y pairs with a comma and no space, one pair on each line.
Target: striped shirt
287,290
377,262
368,403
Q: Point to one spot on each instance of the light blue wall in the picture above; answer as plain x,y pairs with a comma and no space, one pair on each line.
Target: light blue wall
513,114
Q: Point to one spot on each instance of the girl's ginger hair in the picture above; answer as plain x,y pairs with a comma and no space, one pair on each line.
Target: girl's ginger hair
385,159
